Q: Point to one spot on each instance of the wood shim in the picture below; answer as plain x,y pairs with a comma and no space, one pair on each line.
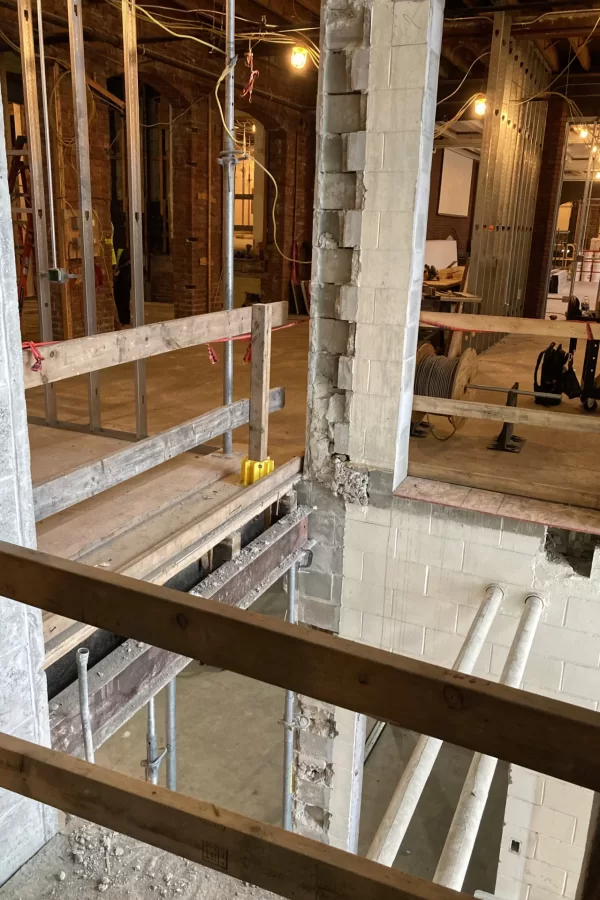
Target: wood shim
555,331
113,348
514,725
288,864
60,493
439,406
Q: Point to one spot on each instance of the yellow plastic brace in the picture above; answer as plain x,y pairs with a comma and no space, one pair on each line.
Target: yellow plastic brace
253,470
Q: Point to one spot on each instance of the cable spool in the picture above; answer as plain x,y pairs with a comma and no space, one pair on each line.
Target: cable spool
438,376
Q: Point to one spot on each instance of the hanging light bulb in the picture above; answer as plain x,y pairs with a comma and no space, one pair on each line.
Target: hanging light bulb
480,106
254,127
583,133
597,176
298,57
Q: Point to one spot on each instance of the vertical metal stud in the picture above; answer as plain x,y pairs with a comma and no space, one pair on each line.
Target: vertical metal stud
228,161
38,198
134,190
86,215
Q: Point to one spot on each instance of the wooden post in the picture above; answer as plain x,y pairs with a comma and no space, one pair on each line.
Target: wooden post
259,389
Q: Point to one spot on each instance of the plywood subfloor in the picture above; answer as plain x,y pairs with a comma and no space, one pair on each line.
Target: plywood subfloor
553,465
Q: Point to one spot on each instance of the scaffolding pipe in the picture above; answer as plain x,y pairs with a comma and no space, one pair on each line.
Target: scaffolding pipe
46,119
151,744
288,716
456,855
171,731
399,813
82,657
228,162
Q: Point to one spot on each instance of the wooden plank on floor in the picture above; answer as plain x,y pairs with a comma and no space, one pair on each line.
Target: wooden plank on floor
514,725
57,494
100,351
288,864
553,330
439,406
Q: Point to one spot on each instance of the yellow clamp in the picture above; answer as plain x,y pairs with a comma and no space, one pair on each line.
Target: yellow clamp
253,470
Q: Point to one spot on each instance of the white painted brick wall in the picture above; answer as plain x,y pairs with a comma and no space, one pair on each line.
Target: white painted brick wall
414,576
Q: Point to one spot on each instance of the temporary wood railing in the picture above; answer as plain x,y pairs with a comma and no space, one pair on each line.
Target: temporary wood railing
554,330
540,733
84,355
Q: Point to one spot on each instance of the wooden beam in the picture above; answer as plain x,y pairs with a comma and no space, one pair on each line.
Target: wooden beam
438,406
581,48
60,493
119,686
260,378
288,864
190,543
466,141
549,52
555,330
452,54
504,722
100,351
232,582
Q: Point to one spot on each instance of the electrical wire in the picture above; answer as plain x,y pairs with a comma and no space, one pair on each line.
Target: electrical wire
237,143
487,53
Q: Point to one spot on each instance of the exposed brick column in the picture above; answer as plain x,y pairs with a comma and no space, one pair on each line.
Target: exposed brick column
545,211
24,825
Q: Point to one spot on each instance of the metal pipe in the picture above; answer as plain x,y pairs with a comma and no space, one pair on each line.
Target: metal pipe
228,162
38,199
456,855
358,768
46,133
171,730
288,716
502,390
86,212
393,827
151,744
82,657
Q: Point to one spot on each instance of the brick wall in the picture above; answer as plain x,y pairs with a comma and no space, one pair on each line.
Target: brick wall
439,227
183,277
542,239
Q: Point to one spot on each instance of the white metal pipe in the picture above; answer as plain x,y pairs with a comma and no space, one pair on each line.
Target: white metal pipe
456,855
46,132
171,730
390,834
228,160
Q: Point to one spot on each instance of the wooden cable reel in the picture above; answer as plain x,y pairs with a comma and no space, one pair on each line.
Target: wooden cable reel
438,376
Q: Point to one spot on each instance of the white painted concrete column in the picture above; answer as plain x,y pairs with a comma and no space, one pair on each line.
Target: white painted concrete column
24,825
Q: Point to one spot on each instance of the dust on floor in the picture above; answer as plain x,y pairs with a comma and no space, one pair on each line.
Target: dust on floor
84,861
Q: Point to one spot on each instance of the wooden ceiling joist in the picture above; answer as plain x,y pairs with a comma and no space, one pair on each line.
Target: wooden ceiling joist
582,52
454,56
549,52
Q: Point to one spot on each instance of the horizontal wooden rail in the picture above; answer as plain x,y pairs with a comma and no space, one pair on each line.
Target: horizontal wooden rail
555,331
287,864
439,406
66,490
527,729
113,348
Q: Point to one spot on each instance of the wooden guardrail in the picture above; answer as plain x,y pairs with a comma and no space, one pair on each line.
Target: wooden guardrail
554,330
537,732
100,351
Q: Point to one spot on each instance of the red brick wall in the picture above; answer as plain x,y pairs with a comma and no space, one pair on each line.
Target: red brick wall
543,226
439,227
183,277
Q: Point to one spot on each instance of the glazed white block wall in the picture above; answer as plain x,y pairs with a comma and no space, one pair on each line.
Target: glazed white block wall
24,825
414,575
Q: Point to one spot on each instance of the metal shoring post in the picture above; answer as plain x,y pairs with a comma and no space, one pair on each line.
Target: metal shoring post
288,717
38,199
134,190
153,758
171,732
582,219
86,215
82,657
228,161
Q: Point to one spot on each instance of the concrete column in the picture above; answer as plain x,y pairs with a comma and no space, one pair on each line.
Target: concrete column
24,825
375,122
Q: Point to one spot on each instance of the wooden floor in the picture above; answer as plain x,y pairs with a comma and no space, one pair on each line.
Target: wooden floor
553,465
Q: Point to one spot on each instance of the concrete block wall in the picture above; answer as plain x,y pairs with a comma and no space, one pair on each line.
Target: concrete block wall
24,825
